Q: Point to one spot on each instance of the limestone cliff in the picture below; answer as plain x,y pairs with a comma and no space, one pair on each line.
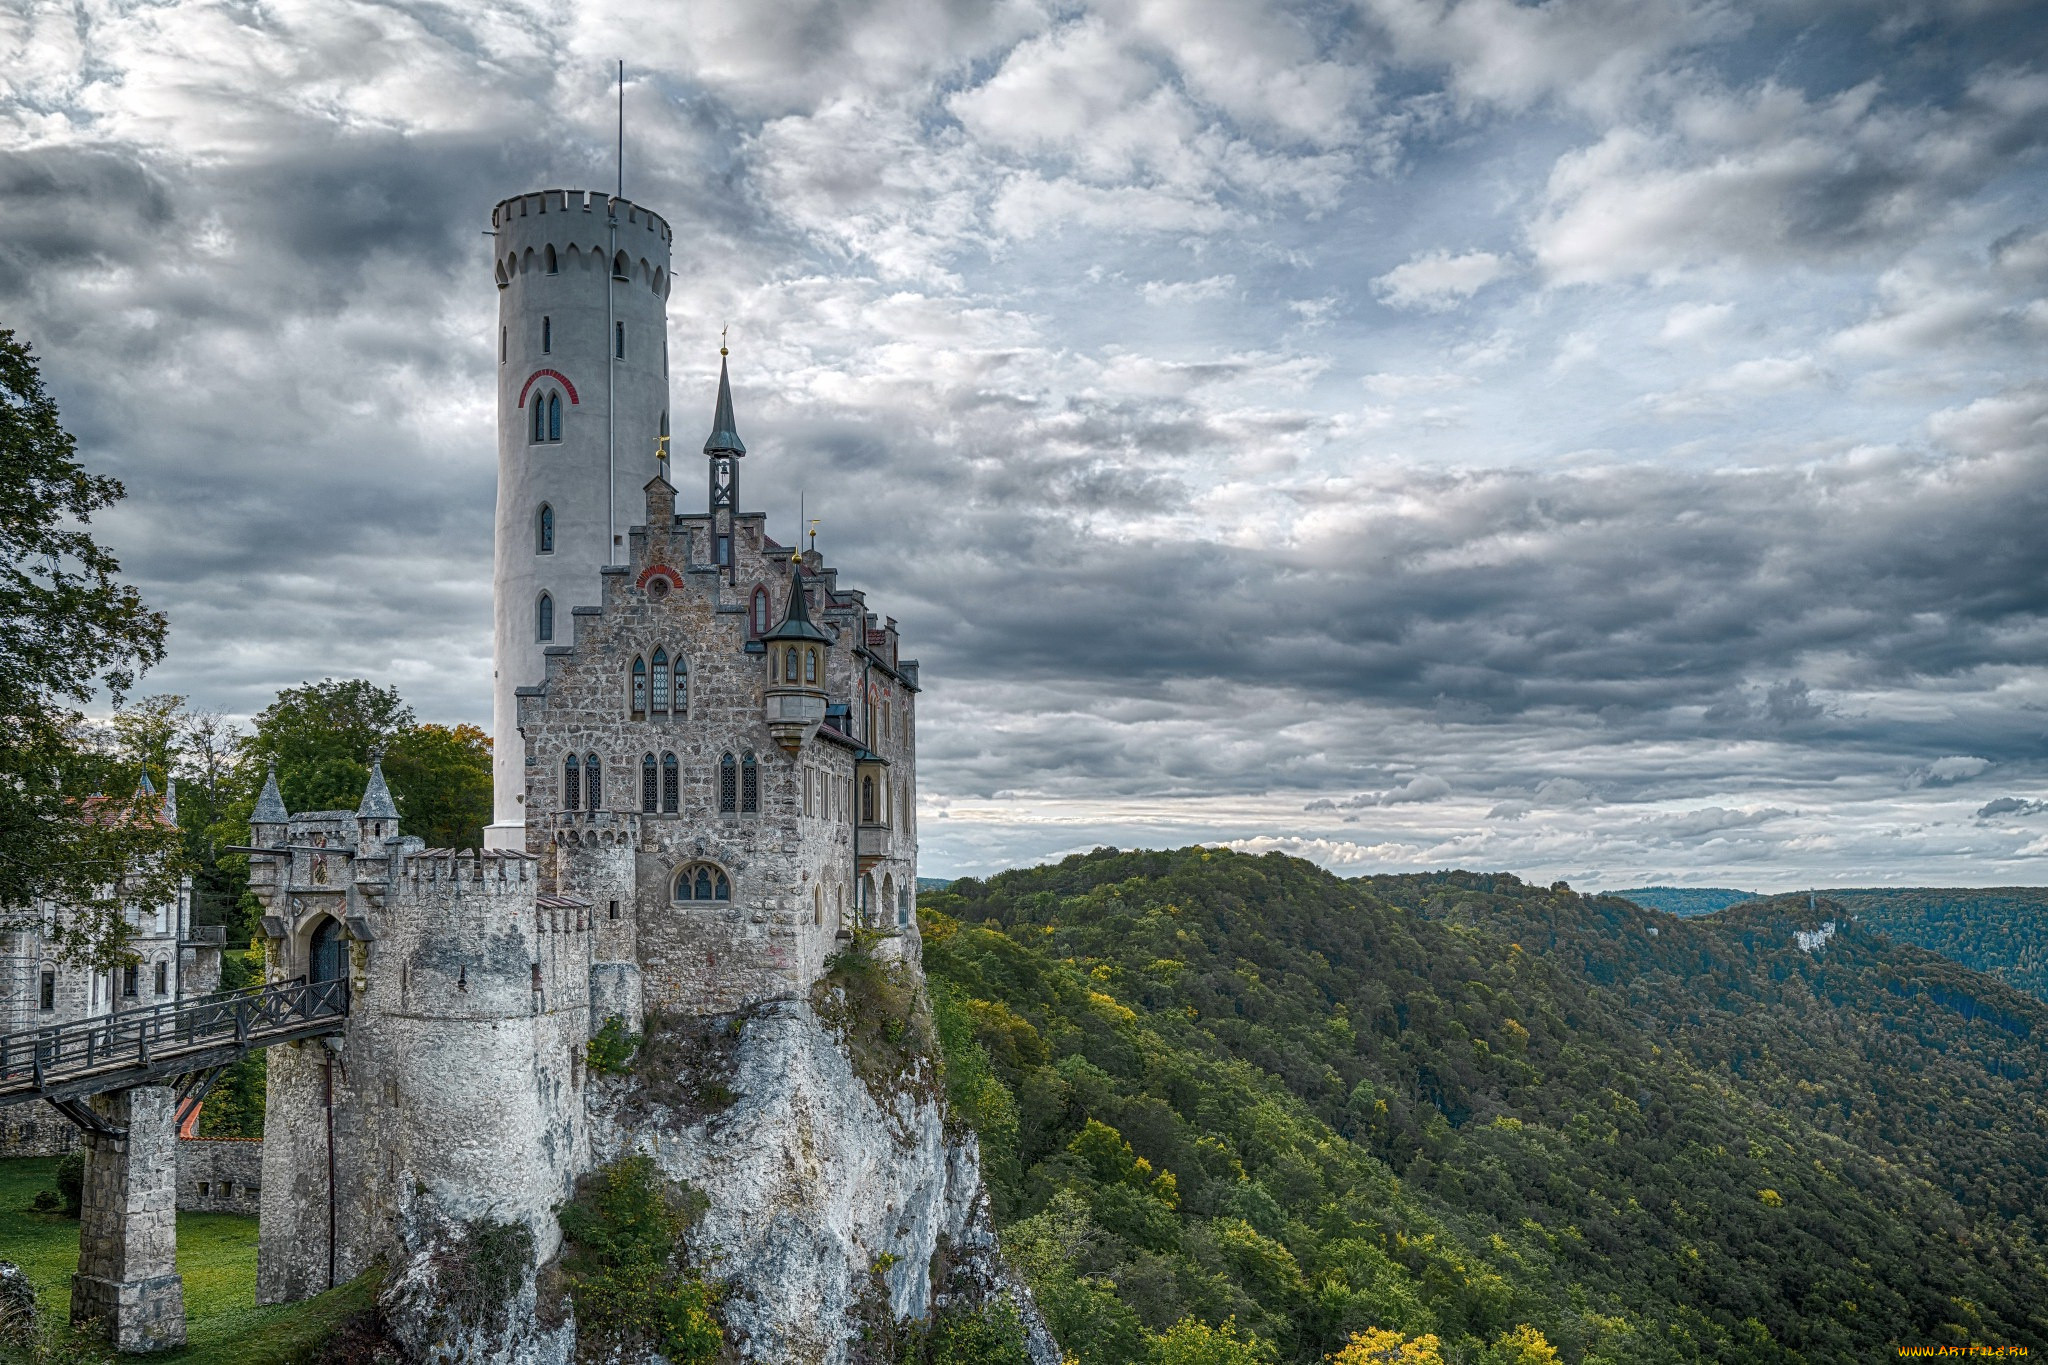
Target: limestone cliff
832,1197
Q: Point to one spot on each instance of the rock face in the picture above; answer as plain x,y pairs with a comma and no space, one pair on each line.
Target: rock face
821,1199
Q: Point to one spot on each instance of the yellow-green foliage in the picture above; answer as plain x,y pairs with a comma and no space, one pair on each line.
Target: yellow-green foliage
1219,1088
624,1265
611,1048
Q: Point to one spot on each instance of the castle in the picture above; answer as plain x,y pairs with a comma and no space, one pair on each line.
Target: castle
705,781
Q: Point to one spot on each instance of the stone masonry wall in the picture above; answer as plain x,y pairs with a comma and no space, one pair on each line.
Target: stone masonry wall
220,1175
792,875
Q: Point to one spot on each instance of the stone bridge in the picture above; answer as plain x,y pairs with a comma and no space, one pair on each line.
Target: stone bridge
127,1080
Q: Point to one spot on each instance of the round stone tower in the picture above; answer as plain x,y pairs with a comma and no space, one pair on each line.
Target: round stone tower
583,281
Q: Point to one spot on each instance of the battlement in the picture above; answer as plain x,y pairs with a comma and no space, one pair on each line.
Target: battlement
594,203
555,232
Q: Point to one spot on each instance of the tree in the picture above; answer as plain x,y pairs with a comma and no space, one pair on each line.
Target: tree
1194,1342
320,736
69,628
1377,1346
440,777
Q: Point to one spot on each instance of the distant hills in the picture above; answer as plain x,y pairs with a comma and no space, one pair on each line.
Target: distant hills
1216,1085
2001,930
1686,901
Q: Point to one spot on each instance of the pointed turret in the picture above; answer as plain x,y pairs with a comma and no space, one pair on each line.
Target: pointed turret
377,803
725,436
795,696
269,804
796,617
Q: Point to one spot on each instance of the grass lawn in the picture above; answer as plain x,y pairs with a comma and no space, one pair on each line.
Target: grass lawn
217,1257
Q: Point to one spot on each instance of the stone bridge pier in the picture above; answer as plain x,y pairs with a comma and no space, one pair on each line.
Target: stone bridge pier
127,1276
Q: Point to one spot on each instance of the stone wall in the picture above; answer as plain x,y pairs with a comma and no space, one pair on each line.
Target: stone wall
220,1175
35,1129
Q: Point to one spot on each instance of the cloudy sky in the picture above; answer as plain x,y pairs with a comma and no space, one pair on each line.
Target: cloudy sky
1605,439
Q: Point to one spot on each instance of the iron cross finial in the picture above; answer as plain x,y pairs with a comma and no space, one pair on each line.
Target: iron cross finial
721,338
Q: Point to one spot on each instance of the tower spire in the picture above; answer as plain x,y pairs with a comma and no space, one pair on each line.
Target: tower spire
724,448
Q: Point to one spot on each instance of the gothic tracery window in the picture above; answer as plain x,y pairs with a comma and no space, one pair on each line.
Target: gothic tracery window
659,667
702,882
593,781
728,785
671,783
639,696
750,785
682,693
647,781
572,784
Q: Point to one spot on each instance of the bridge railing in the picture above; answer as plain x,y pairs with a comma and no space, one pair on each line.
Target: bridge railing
32,1060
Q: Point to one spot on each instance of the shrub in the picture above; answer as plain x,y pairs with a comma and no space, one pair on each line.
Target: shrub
71,1182
992,1334
625,1267
612,1049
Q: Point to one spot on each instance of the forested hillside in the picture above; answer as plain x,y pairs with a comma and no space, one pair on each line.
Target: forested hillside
2002,930
1685,901
1219,1086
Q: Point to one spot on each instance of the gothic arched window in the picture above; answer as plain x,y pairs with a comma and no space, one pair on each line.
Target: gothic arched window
639,689
789,665
551,266
572,783
810,665
647,783
659,666
682,697
544,618
750,785
554,417
593,781
728,785
867,800
540,419
671,795
702,882
619,266
544,530
760,611
547,333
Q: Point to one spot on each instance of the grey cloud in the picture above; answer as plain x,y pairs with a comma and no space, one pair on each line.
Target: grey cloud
2010,805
